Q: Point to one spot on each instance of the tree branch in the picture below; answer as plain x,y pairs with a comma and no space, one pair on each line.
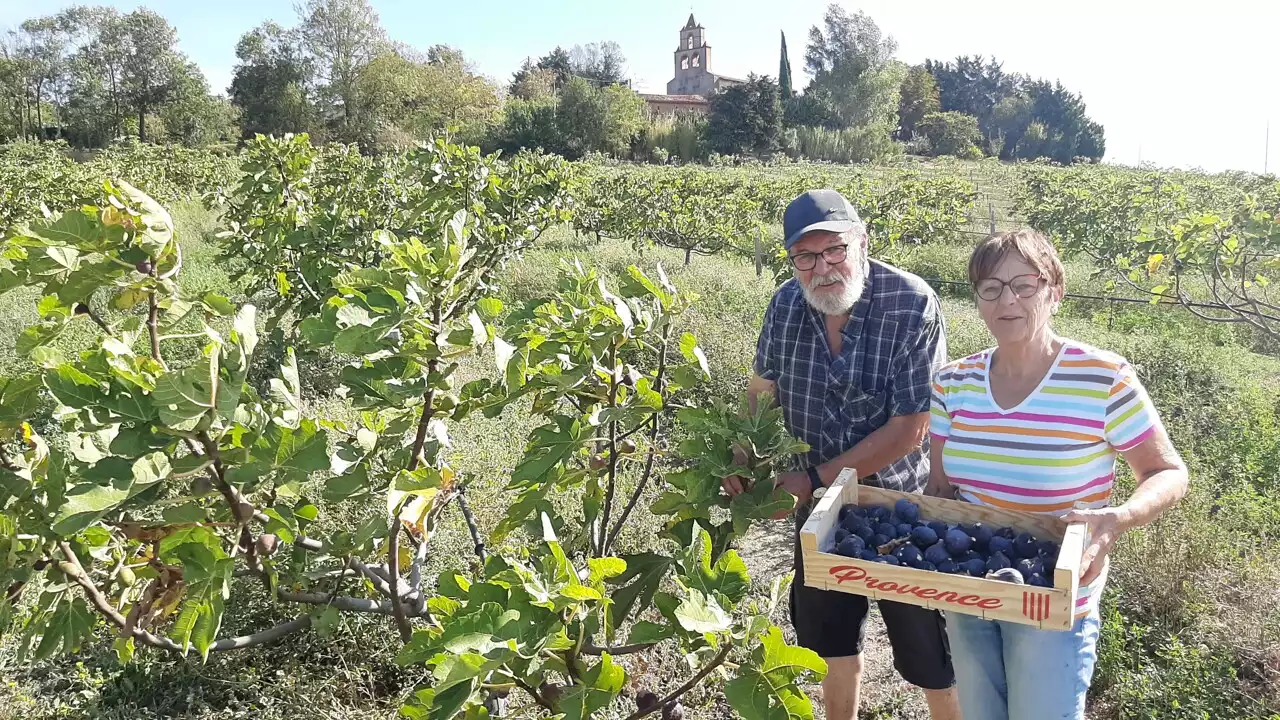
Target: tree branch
378,583
393,571
537,697
471,524
674,695
348,604
153,323
613,454
74,570
96,318
660,384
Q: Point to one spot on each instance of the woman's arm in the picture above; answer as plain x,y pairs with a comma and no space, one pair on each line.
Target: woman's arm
1162,482
939,485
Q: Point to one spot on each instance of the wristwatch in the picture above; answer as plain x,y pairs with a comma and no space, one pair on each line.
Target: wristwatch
814,479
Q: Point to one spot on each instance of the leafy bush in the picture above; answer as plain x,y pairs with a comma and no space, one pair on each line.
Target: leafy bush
952,133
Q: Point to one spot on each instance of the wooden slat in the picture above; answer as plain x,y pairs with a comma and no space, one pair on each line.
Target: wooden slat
819,529
1067,571
1047,608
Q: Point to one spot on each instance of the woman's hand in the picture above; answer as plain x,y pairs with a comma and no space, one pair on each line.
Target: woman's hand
939,487
1103,527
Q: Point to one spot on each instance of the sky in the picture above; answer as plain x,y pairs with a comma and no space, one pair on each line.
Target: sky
1175,84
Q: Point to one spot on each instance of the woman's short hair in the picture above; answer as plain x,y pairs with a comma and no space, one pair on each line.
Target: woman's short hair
1033,247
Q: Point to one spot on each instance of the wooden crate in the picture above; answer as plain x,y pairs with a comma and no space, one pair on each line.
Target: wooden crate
1047,608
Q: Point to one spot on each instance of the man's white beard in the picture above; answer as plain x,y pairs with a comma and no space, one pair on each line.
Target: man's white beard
829,303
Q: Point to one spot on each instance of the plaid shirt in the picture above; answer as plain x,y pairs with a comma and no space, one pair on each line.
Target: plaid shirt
894,340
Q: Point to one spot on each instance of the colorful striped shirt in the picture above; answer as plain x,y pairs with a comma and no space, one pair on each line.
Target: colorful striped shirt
1054,451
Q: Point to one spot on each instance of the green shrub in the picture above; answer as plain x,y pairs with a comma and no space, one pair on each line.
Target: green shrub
952,133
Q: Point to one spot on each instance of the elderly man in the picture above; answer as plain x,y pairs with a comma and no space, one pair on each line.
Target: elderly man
848,349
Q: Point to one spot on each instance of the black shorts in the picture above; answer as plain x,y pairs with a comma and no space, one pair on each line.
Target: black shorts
833,624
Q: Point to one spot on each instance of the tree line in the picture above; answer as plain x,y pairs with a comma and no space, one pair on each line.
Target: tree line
91,75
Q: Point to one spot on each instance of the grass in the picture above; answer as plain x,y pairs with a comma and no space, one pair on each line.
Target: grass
1192,618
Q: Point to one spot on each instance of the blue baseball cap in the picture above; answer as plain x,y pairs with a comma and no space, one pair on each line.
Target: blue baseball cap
818,210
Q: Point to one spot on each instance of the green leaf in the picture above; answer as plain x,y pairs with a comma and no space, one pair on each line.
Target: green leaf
124,649
219,304
188,512
85,280
245,329
549,445
489,308
82,509
64,256
644,574
182,397
132,405
600,686
151,469
287,391
19,399
300,452
72,387
326,621
767,686
700,613
70,624
154,239
692,353
69,228
645,632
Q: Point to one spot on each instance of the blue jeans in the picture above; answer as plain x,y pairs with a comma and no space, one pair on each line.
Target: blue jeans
1010,671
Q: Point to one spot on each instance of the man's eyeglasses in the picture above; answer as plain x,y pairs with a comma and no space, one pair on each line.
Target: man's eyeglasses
1024,286
833,255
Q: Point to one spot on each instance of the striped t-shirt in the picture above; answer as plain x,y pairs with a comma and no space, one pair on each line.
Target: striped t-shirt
1054,451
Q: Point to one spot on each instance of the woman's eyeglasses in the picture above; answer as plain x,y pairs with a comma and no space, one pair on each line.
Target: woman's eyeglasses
834,255
1024,286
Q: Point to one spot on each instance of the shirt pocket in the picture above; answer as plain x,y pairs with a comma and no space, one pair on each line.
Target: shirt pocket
863,408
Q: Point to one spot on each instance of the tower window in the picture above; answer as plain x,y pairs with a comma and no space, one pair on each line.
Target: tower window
684,63
696,60
690,42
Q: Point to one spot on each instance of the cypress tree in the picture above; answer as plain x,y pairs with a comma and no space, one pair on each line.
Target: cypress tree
784,72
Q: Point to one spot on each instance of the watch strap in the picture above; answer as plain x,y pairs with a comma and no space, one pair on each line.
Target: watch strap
814,479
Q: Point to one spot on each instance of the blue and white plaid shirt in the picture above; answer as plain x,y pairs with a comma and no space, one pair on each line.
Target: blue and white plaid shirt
893,342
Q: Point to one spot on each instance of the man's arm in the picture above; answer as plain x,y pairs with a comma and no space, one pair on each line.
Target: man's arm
900,436
758,386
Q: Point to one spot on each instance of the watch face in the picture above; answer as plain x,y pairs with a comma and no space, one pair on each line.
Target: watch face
819,492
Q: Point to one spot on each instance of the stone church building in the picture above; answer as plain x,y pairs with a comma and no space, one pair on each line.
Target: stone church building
693,82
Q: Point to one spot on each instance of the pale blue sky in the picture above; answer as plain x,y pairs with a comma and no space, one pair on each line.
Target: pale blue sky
1180,84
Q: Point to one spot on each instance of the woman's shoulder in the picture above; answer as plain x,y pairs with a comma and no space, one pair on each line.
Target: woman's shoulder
1083,355
964,368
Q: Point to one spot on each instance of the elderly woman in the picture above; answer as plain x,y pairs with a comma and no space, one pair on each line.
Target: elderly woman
1035,424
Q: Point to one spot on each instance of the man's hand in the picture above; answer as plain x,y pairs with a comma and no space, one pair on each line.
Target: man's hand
735,485
1104,526
796,483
